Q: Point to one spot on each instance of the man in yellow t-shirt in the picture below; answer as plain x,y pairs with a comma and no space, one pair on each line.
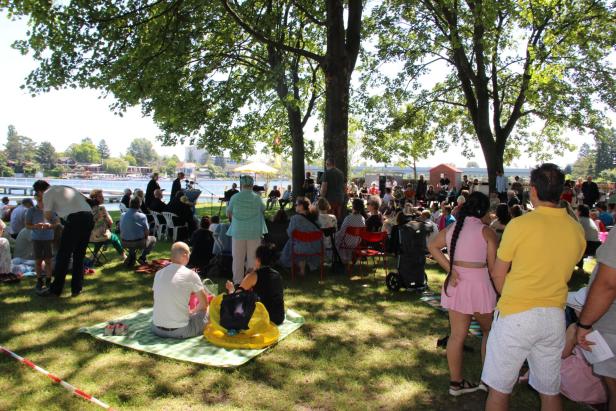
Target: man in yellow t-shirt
535,261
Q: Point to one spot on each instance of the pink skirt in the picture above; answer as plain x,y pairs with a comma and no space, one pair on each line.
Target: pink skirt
474,292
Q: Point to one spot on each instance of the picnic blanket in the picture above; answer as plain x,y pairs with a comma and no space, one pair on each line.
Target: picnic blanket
434,301
153,266
197,350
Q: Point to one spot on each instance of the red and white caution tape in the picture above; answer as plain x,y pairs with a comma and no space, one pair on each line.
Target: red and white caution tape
60,381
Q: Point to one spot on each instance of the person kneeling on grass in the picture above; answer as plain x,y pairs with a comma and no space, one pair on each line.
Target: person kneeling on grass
173,285
266,282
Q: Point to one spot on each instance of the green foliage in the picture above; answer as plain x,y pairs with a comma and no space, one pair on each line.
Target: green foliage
407,137
606,150
30,168
19,148
215,170
58,171
472,164
129,159
511,63
202,78
585,163
115,165
103,149
84,152
46,155
142,150
5,170
170,165
608,175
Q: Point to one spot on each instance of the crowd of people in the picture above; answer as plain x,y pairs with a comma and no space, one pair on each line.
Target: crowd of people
508,257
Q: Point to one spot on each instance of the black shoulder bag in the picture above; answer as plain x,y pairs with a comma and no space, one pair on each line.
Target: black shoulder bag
236,309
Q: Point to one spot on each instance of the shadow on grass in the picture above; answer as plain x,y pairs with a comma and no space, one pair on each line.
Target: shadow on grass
362,347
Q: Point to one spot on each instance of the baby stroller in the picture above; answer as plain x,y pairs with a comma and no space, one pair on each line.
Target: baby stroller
411,253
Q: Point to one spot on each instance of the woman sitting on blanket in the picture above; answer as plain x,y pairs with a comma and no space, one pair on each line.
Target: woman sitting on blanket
467,290
266,282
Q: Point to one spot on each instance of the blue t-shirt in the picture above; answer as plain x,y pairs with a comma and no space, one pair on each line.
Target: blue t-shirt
133,225
606,218
35,215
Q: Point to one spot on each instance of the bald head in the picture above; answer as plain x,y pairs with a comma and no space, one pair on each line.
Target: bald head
180,253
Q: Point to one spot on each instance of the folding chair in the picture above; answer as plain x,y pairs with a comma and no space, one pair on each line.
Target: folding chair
351,239
98,256
159,228
171,225
373,244
306,237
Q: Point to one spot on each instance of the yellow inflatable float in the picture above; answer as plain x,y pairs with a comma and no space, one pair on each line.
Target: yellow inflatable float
261,332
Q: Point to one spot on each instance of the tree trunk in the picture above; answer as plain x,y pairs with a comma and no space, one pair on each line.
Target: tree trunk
493,153
335,138
298,151
338,65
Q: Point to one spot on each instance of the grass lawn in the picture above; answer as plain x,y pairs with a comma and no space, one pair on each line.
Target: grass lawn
362,347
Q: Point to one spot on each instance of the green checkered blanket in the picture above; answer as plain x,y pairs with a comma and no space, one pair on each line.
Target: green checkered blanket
197,349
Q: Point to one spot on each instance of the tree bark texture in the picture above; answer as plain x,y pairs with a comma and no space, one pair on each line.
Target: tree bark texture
338,66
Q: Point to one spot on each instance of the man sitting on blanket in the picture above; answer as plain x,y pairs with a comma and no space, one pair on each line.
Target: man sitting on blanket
173,286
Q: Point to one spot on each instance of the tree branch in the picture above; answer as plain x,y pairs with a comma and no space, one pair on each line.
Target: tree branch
264,39
313,97
308,15
353,32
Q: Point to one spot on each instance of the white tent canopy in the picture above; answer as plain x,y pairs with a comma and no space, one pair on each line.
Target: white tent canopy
256,167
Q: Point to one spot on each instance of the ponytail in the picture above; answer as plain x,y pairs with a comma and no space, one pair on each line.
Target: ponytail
452,248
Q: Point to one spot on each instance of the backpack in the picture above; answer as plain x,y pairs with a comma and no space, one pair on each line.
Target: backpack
236,309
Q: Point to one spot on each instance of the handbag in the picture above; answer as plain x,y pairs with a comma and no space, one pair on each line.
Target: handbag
236,309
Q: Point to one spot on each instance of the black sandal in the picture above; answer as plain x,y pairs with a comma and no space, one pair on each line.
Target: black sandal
457,388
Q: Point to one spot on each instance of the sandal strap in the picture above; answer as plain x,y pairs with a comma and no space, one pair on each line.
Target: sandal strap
462,384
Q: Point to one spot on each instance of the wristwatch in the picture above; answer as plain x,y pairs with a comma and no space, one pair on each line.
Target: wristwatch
584,326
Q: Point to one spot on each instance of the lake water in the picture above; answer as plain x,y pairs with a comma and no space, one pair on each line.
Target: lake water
211,190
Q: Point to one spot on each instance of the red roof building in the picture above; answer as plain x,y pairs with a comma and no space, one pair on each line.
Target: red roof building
445,170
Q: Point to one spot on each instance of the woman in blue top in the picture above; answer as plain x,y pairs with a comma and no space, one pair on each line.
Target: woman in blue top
302,221
245,210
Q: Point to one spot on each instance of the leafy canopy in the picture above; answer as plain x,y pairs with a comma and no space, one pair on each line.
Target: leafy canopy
509,65
187,63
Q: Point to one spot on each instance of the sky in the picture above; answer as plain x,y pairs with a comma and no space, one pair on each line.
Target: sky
66,116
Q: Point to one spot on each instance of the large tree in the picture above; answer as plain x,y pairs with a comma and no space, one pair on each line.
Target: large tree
337,60
19,148
585,163
142,151
606,150
84,152
206,70
46,155
509,64
103,149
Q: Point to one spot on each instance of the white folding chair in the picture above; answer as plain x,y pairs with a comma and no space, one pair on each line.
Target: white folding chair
159,228
171,225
